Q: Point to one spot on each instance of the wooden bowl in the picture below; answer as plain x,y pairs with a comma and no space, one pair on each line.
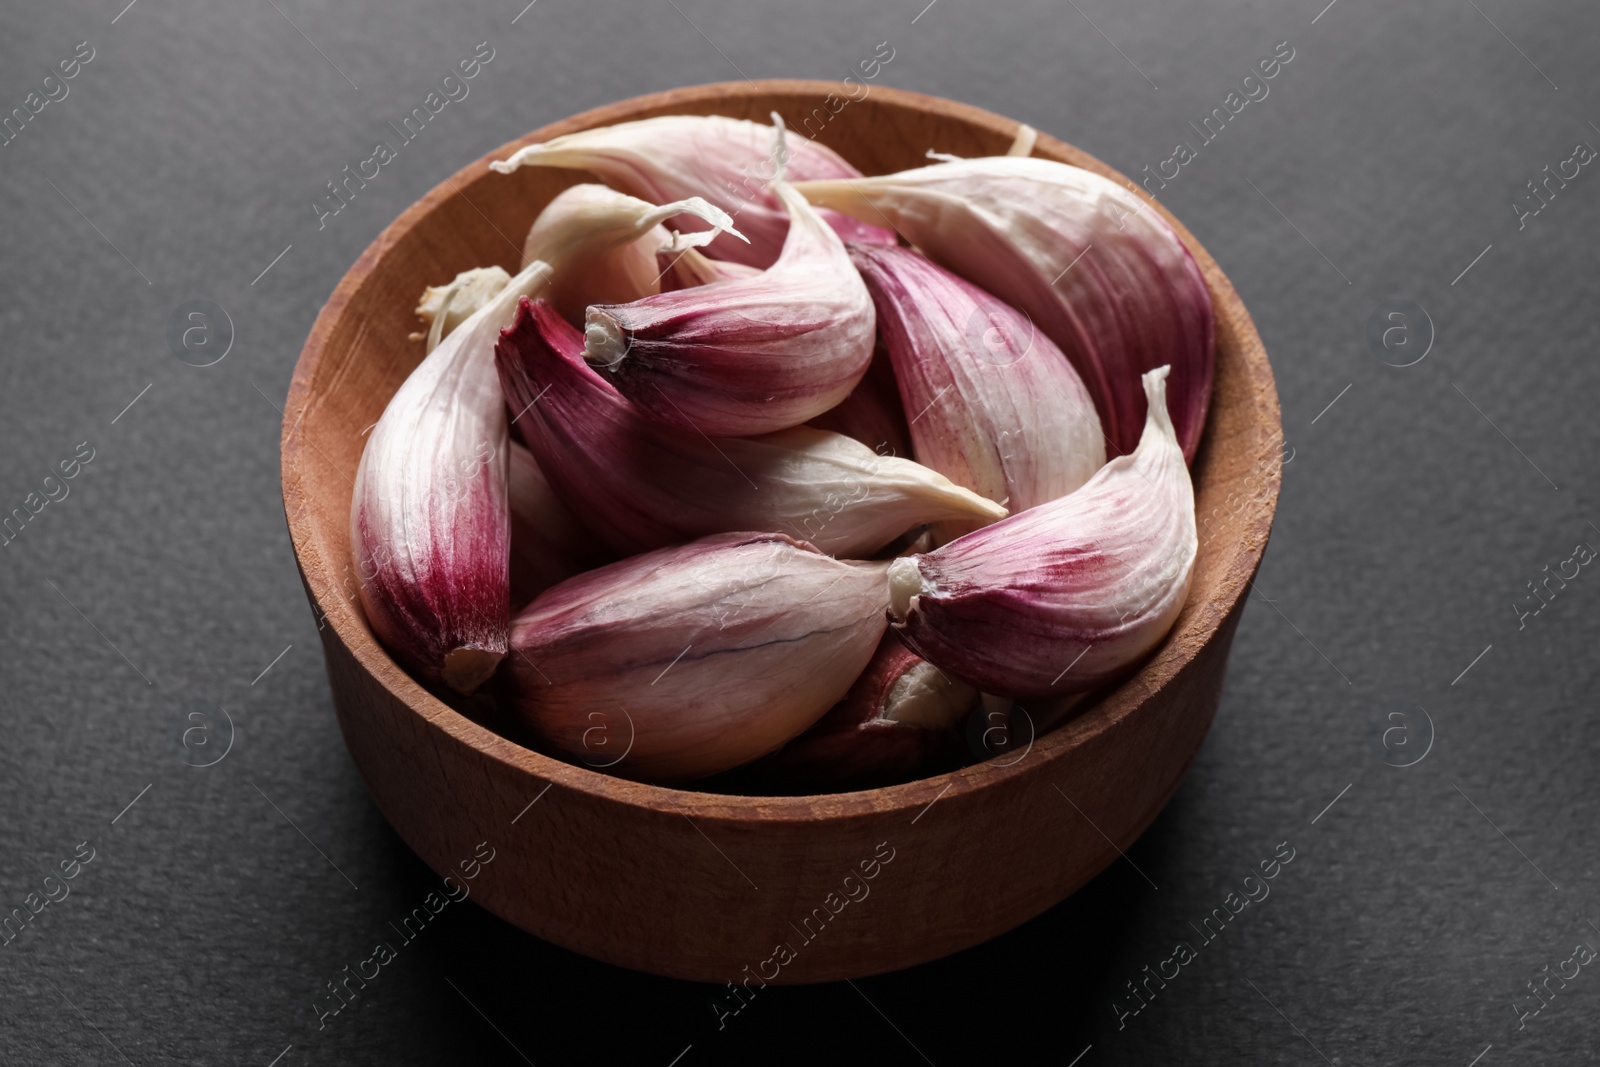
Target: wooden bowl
732,888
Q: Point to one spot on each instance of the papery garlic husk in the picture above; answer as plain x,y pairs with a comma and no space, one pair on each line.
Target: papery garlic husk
685,268
688,661
1095,267
1067,595
727,161
600,244
429,519
444,307
603,244
548,543
899,721
872,413
750,355
641,483
994,406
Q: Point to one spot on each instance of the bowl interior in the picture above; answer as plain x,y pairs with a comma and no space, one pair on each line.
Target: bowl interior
361,348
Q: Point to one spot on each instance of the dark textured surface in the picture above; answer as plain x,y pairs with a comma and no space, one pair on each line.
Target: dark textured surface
206,925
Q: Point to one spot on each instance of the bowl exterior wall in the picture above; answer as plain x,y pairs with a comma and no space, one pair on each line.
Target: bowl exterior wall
704,899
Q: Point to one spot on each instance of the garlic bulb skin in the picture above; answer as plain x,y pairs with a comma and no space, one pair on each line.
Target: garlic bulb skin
689,661
728,161
641,483
1094,266
994,406
429,519
1067,595
749,355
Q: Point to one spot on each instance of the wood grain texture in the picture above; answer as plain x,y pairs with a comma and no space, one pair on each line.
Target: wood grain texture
701,886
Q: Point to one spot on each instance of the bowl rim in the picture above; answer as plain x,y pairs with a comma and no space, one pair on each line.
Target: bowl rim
1190,634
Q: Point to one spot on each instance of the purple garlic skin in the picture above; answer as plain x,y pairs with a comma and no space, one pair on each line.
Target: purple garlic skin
995,407
747,355
640,483
429,518
689,661
1067,595
1091,263
727,161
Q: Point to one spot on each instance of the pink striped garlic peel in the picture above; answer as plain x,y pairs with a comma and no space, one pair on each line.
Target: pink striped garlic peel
748,355
687,661
995,407
429,520
728,161
641,483
1091,263
1067,595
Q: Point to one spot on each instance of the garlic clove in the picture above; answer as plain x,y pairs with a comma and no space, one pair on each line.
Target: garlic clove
429,520
641,483
602,244
1069,594
444,307
548,543
996,407
872,413
727,161
750,355
689,661
687,267
897,722
1099,272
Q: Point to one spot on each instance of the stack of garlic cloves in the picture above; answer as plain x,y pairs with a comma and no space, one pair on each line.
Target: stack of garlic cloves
1098,271
728,478
1067,595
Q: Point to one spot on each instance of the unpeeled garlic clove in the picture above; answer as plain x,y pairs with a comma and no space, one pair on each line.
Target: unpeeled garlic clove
749,355
728,161
429,520
602,244
688,661
548,543
641,483
1095,267
1067,595
995,407
685,268
897,722
872,413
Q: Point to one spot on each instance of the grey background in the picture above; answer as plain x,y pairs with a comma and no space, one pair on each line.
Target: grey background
1417,905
